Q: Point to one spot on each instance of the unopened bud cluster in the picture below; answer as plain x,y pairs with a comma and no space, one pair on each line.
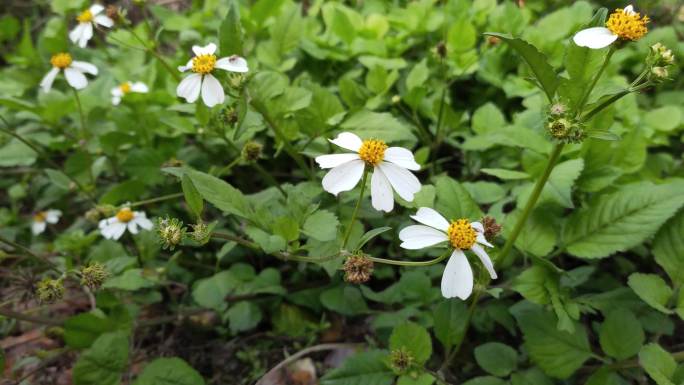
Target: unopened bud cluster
170,232
201,233
401,360
251,151
50,290
562,126
659,60
93,276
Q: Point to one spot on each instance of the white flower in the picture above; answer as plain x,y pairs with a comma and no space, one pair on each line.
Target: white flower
457,280
73,71
623,23
125,88
114,227
390,170
86,21
42,218
202,81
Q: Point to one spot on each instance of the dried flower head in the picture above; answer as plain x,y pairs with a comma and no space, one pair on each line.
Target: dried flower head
358,269
251,151
50,290
491,228
93,276
441,49
170,232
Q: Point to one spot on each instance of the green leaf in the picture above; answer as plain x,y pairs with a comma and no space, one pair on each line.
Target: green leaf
243,316
505,174
192,196
558,353
414,339
82,329
366,368
665,118
321,225
423,379
220,193
130,280
450,320
211,292
538,235
559,185
58,178
269,243
418,75
496,358
531,284
454,201
545,74
487,118
169,371
104,362
370,234
346,300
230,32
652,289
16,153
621,220
621,335
658,363
384,126
668,245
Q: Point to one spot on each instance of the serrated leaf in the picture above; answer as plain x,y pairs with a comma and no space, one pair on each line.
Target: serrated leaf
104,362
537,61
230,32
658,363
414,339
321,225
621,220
366,368
652,289
220,193
192,196
668,248
621,334
169,371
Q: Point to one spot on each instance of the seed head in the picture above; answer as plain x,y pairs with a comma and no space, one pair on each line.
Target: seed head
251,151
401,360
358,269
441,49
170,232
491,228
93,276
201,233
50,290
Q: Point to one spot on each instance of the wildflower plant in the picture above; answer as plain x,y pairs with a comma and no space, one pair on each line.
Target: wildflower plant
437,192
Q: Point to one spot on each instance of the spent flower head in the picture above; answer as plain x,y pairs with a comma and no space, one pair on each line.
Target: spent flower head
358,269
170,231
94,275
251,151
201,233
50,290
401,360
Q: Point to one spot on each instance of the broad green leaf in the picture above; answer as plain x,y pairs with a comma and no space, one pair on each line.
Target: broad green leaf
414,339
423,379
558,353
538,235
104,362
269,243
621,334
418,75
485,380
668,248
16,153
496,358
366,368
505,174
346,300
220,193
230,32
58,178
383,126
532,376
450,320
82,329
321,225
545,74
605,376
211,292
531,284
487,118
169,371
454,201
242,316
658,363
559,186
621,220
370,234
192,196
665,118
130,280
652,289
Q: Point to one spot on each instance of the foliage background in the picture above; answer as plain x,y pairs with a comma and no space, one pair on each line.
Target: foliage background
593,293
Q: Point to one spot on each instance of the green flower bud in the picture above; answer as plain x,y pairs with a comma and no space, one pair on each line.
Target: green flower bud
200,233
251,151
93,276
50,290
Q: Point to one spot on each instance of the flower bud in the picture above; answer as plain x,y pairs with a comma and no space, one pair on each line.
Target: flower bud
441,49
170,232
200,233
237,80
565,131
401,360
660,73
106,210
50,290
93,276
251,151
93,215
357,269
558,109
396,99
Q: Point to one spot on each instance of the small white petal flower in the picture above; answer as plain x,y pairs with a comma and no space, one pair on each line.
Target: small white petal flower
73,71
457,280
126,88
390,170
42,218
87,20
625,24
202,82
114,227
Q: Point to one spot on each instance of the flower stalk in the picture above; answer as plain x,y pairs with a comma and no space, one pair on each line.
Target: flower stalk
356,208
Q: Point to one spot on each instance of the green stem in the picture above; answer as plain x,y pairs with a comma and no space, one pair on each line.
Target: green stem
583,101
154,53
532,200
265,174
30,253
356,209
157,199
84,131
411,263
229,166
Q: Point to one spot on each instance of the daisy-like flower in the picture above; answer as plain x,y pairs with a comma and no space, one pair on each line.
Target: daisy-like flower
86,21
390,170
42,218
624,24
126,88
202,81
457,280
73,71
114,227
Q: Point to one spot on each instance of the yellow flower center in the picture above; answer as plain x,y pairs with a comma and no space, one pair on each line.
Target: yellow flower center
628,26
85,16
40,216
61,60
372,151
461,234
125,87
203,64
124,215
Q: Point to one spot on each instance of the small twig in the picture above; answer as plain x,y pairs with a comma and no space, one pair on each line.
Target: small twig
29,318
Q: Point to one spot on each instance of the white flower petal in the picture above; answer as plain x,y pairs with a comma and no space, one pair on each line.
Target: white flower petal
457,279
432,218
343,177
629,9
418,236
86,34
212,92
403,182
594,38
84,66
132,227
477,226
116,91
334,160
140,87
96,8
75,34
116,100
484,258
189,88
114,231
38,227
48,79
75,78
208,49
382,197
348,141
482,240
52,216
233,64
401,157
186,67
142,221
104,21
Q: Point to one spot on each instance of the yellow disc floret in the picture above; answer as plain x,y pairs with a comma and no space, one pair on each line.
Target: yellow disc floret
85,16
203,64
125,87
461,234
40,216
627,25
125,215
372,151
61,60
